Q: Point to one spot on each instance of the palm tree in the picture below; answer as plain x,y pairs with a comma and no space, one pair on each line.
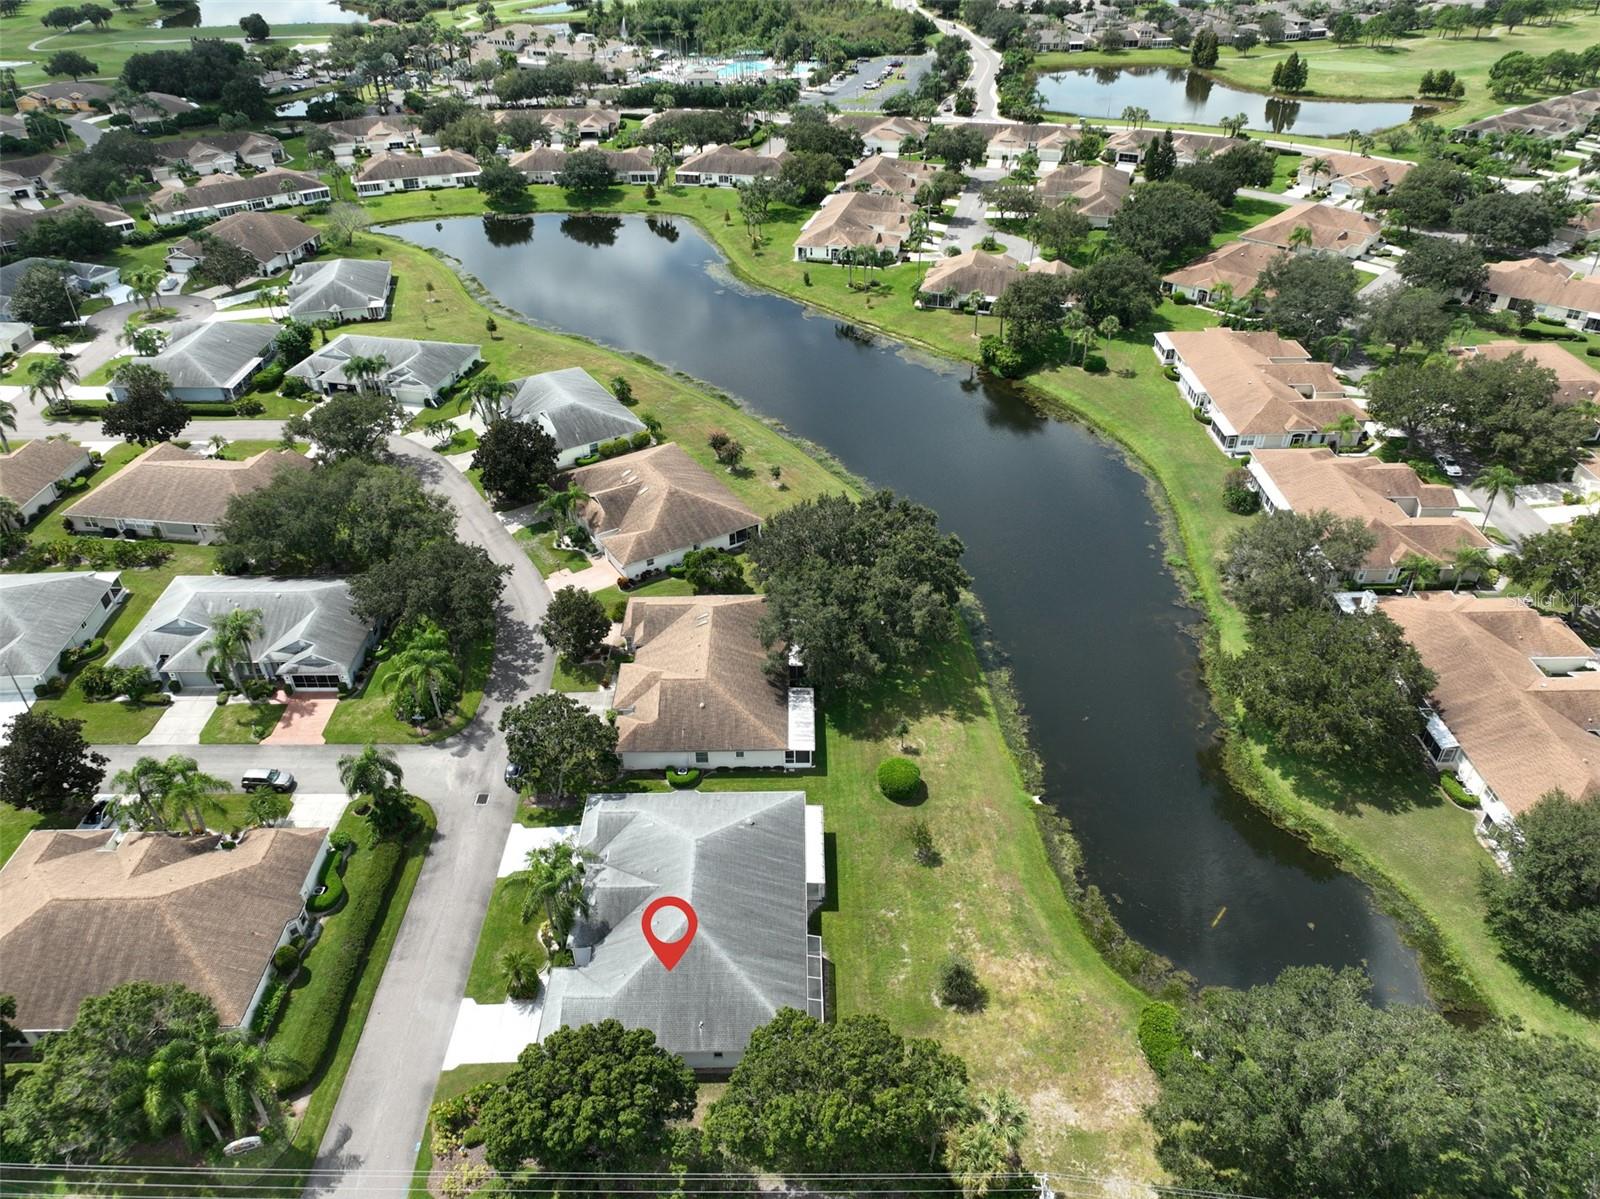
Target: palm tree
1419,570
10,515
8,420
565,504
489,393
181,1088
144,283
1316,167
1346,426
372,773
365,370
976,1158
1495,482
50,377
1300,238
229,647
190,793
1004,1111
554,881
974,299
519,968
424,667
274,298
1109,327
1469,559
145,785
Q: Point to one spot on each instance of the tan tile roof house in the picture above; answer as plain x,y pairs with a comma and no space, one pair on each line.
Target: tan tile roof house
83,913
1406,515
1517,701
212,152
378,132
274,239
1335,230
1576,381
31,475
1551,288
697,692
888,176
854,221
65,97
1260,390
649,508
1099,191
14,221
1129,145
170,493
951,280
1350,174
726,165
1239,264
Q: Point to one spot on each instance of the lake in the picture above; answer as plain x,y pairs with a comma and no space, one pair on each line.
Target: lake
215,13
1064,546
1182,96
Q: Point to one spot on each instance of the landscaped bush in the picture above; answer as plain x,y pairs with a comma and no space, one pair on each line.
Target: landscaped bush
1452,787
1593,351
1159,1036
922,846
899,779
1541,334
77,655
1237,495
587,460
1200,415
640,440
449,1119
248,406
97,553
618,445
1181,299
268,378
294,388
286,959
1171,373
959,987
1000,358
1094,363
682,778
317,1009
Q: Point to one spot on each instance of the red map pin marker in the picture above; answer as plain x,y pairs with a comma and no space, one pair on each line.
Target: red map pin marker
670,953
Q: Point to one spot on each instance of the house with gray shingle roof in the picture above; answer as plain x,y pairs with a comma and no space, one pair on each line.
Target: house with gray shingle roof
41,615
84,278
342,289
388,172
209,363
33,474
415,372
169,493
211,153
310,634
578,412
751,866
222,195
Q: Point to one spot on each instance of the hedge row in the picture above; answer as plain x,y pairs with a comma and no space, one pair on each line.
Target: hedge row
311,1023
333,880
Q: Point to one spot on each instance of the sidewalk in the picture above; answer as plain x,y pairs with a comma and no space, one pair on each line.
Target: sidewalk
182,722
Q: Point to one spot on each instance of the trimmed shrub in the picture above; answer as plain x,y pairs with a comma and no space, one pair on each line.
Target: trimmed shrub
1000,358
1181,299
286,959
295,388
1593,351
268,378
1200,415
618,611
1238,496
640,440
248,406
1171,373
959,987
332,880
1159,1036
682,778
587,460
1459,795
449,1119
1094,363
899,779
610,449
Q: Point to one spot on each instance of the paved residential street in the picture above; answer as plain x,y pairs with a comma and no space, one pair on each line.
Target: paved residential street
985,63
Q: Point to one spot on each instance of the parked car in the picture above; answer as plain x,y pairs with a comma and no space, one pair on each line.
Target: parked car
270,780
1449,465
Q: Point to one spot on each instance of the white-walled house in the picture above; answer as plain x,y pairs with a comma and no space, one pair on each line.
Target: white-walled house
574,409
222,195
33,474
275,240
1548,286
696,693
208,362
388,172
414,372
647,510
44,615
726,166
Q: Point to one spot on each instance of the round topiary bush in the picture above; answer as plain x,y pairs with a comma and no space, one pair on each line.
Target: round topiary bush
1159,1036
959,987
286,959
682,778
1094,363
899,779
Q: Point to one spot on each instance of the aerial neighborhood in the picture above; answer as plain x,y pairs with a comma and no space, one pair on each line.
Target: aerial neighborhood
990,592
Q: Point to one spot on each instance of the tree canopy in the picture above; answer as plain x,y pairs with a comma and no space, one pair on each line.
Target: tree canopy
516,458
1310,296
1119,284
456,586
349,424
1562,565
859,587
1287,560
47,765
1165,221
575,624
563,749
1443,264
147,413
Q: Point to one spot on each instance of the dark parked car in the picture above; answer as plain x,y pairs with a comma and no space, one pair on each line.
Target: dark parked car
271,780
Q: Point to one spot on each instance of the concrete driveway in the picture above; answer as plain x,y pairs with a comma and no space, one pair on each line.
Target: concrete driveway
183,721
596,577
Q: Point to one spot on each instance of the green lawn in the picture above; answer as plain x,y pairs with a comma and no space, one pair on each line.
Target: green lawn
539,541
586,676
50,524
611,596
17,823
368,715
240,724
502,929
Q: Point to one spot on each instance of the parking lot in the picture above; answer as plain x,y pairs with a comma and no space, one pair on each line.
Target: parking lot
857,89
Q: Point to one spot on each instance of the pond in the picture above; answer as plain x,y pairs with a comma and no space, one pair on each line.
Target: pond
1066,552
215,13
1180,95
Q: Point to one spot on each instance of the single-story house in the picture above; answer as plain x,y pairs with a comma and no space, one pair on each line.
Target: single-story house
882,135
1550,286
1333,230
541,164
950,281
33,474
64,97
89,910
14,221
1346,175
1516,709
209,362
647,510
211,153
590,124
1237,265
726,166
373,134
632,166
221,195
575,410
1126,147
43,615
886,175
274,239
415,372
696,693
154,107
30,177
390,172
169,493
1406,515
342,289
1099,191
1049,143
1259,390
854,221
311,637
84,278
751,866
1549,119
15,336
1576,381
